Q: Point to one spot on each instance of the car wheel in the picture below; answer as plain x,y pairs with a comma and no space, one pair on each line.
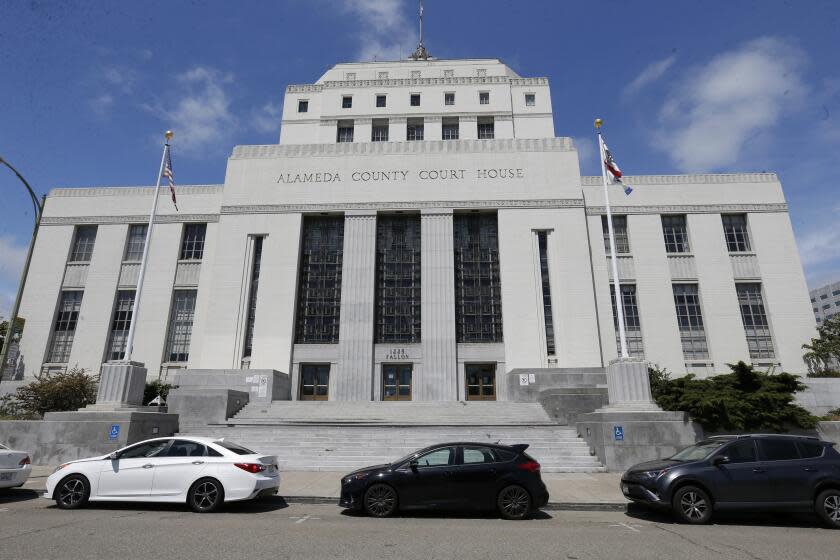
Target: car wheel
692,505
827,506
206,495
72,492
514,502
380,500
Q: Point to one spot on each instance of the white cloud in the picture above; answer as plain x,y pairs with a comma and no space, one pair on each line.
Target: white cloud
102,104
652,73
267,117
821,245
709,117
385,33
12,255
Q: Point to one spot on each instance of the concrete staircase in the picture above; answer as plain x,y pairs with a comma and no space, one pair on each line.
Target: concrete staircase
342,436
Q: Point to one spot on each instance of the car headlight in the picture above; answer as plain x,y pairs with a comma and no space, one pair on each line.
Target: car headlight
357,476
59,467
654,474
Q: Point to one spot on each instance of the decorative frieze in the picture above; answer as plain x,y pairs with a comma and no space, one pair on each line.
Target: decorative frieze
745,266
688,209
133,191
405,82
128,219
411,205
700,178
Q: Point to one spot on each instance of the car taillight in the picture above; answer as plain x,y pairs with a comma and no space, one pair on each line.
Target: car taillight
530,466
24,461
252,468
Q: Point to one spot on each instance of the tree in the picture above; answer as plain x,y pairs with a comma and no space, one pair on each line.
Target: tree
68,390
823,354
4,328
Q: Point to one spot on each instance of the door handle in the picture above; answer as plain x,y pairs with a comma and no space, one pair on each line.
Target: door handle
758,470
810,469
148,466
198,462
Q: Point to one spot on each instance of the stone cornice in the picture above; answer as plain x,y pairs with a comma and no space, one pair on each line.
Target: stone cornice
703,178
409,205
506,145
499,115
688,209
405,82
133,191
129,219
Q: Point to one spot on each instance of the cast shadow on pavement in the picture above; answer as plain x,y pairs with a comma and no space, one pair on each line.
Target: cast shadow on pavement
447,514
11,495
262,505
750,519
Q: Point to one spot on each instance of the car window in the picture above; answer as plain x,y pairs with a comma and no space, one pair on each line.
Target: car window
183,448
698,451
741,452
213,453
148,449
238,449
810,449
478,455
437,458
503,455
778,449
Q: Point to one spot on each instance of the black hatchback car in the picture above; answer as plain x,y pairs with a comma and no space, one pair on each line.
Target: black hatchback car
450,476
750,472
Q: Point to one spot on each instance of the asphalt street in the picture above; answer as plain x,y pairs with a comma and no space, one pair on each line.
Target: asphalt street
32,527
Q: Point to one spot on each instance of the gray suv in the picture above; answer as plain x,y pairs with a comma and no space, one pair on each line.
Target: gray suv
749,472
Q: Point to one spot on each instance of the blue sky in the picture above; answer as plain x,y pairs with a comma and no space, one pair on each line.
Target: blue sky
86,88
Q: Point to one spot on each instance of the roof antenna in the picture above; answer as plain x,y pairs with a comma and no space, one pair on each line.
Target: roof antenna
420,53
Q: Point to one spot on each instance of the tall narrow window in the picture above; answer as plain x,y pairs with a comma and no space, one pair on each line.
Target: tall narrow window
449,98
484,98
542,242
120,324
676,234
414,100
319,280
478,301
83,244
379,130
303,106
344,132
735,231
690,321
398,278
486,128
754,317
622,240
192,245
347,102
64,328
381,100
530,99
414,129
180,326
252,297
450,128
632,323
135,242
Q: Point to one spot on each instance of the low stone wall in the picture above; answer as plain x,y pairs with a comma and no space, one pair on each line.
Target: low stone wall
565,405
822,395
526,385
197,408
262,385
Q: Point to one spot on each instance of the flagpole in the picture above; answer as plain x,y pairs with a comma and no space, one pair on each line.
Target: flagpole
619,299
129,343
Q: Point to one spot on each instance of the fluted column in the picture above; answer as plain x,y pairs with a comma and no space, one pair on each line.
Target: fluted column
354,376
438,379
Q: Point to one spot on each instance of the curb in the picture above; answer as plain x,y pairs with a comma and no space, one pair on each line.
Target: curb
550,506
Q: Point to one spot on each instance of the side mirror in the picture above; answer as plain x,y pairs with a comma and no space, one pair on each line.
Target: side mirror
113,456
720,460
413,465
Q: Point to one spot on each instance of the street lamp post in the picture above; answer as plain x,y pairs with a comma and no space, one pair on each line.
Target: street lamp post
39,208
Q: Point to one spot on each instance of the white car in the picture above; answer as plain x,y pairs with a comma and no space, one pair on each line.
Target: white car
201,472
15,467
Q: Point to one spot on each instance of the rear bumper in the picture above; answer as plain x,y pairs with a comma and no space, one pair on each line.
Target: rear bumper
10,478
262,486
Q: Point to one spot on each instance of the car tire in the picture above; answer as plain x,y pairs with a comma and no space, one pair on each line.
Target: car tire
692,505
514,502
380,500
206,495
827,506
72,492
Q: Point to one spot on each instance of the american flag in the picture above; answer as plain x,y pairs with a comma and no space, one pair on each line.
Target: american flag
167,172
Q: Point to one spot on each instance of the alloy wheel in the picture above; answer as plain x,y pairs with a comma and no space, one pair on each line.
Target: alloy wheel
514,502
693,506
380,500
72,492
206,494
832,507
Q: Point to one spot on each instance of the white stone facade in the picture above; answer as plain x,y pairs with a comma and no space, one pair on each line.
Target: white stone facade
524,175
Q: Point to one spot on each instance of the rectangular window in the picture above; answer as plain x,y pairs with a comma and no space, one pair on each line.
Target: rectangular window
449,128
180,326
632,323
690,322
83,244
303,106
754,317
381,100
396,382
319,280
192,245
530,99
735,231
314,382
347,102
835,293
414,129
135,242
481,382
344,131
486,128
478,301
622,240
542,242
379,130
397,278
449,98
676,234
120,324
64,328
823,296
252,297
484,97
415,100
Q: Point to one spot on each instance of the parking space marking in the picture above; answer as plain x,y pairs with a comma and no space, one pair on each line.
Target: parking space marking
304,518
627,526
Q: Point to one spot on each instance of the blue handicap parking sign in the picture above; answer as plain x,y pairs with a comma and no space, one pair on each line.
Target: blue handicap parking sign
115,431
618,433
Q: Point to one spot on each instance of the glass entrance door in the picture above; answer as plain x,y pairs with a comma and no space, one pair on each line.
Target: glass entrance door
396,382
314,382
481,382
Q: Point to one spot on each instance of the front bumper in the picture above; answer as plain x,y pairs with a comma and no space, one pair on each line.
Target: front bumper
351,496
642,494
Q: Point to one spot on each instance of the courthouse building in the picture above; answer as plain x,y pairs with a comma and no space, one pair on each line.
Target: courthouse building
419,232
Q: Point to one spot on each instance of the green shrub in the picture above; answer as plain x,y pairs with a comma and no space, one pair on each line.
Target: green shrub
68,390
833,415
824,373
155,388
744,400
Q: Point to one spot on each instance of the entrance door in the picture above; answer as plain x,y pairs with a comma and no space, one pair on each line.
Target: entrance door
481,382
314,382
396,382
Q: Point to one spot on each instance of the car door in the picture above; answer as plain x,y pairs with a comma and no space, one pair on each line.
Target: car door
742,478
428,483
177,468
131,474
473,481
786,470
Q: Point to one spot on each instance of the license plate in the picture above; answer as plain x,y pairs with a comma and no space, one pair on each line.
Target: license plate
6,476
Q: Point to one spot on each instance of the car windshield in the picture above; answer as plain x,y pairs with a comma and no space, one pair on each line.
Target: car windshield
410,455
698,451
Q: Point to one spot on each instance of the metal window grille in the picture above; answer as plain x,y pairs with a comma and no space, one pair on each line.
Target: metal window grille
379,132
676,234
530,99
735,231
632,323
64,328
303,106
135,242
449,99
381,100
450,130
448,73
180,326
398,278
756,326
415,74
83,244
690,321
319,280
622,240
345,133
478,302
484,98
346,102
486,130
414,130
382,75
252,297
192,245
542,242
120,324
414,100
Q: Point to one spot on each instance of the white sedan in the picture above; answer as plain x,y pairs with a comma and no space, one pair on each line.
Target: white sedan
15,467
201,472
